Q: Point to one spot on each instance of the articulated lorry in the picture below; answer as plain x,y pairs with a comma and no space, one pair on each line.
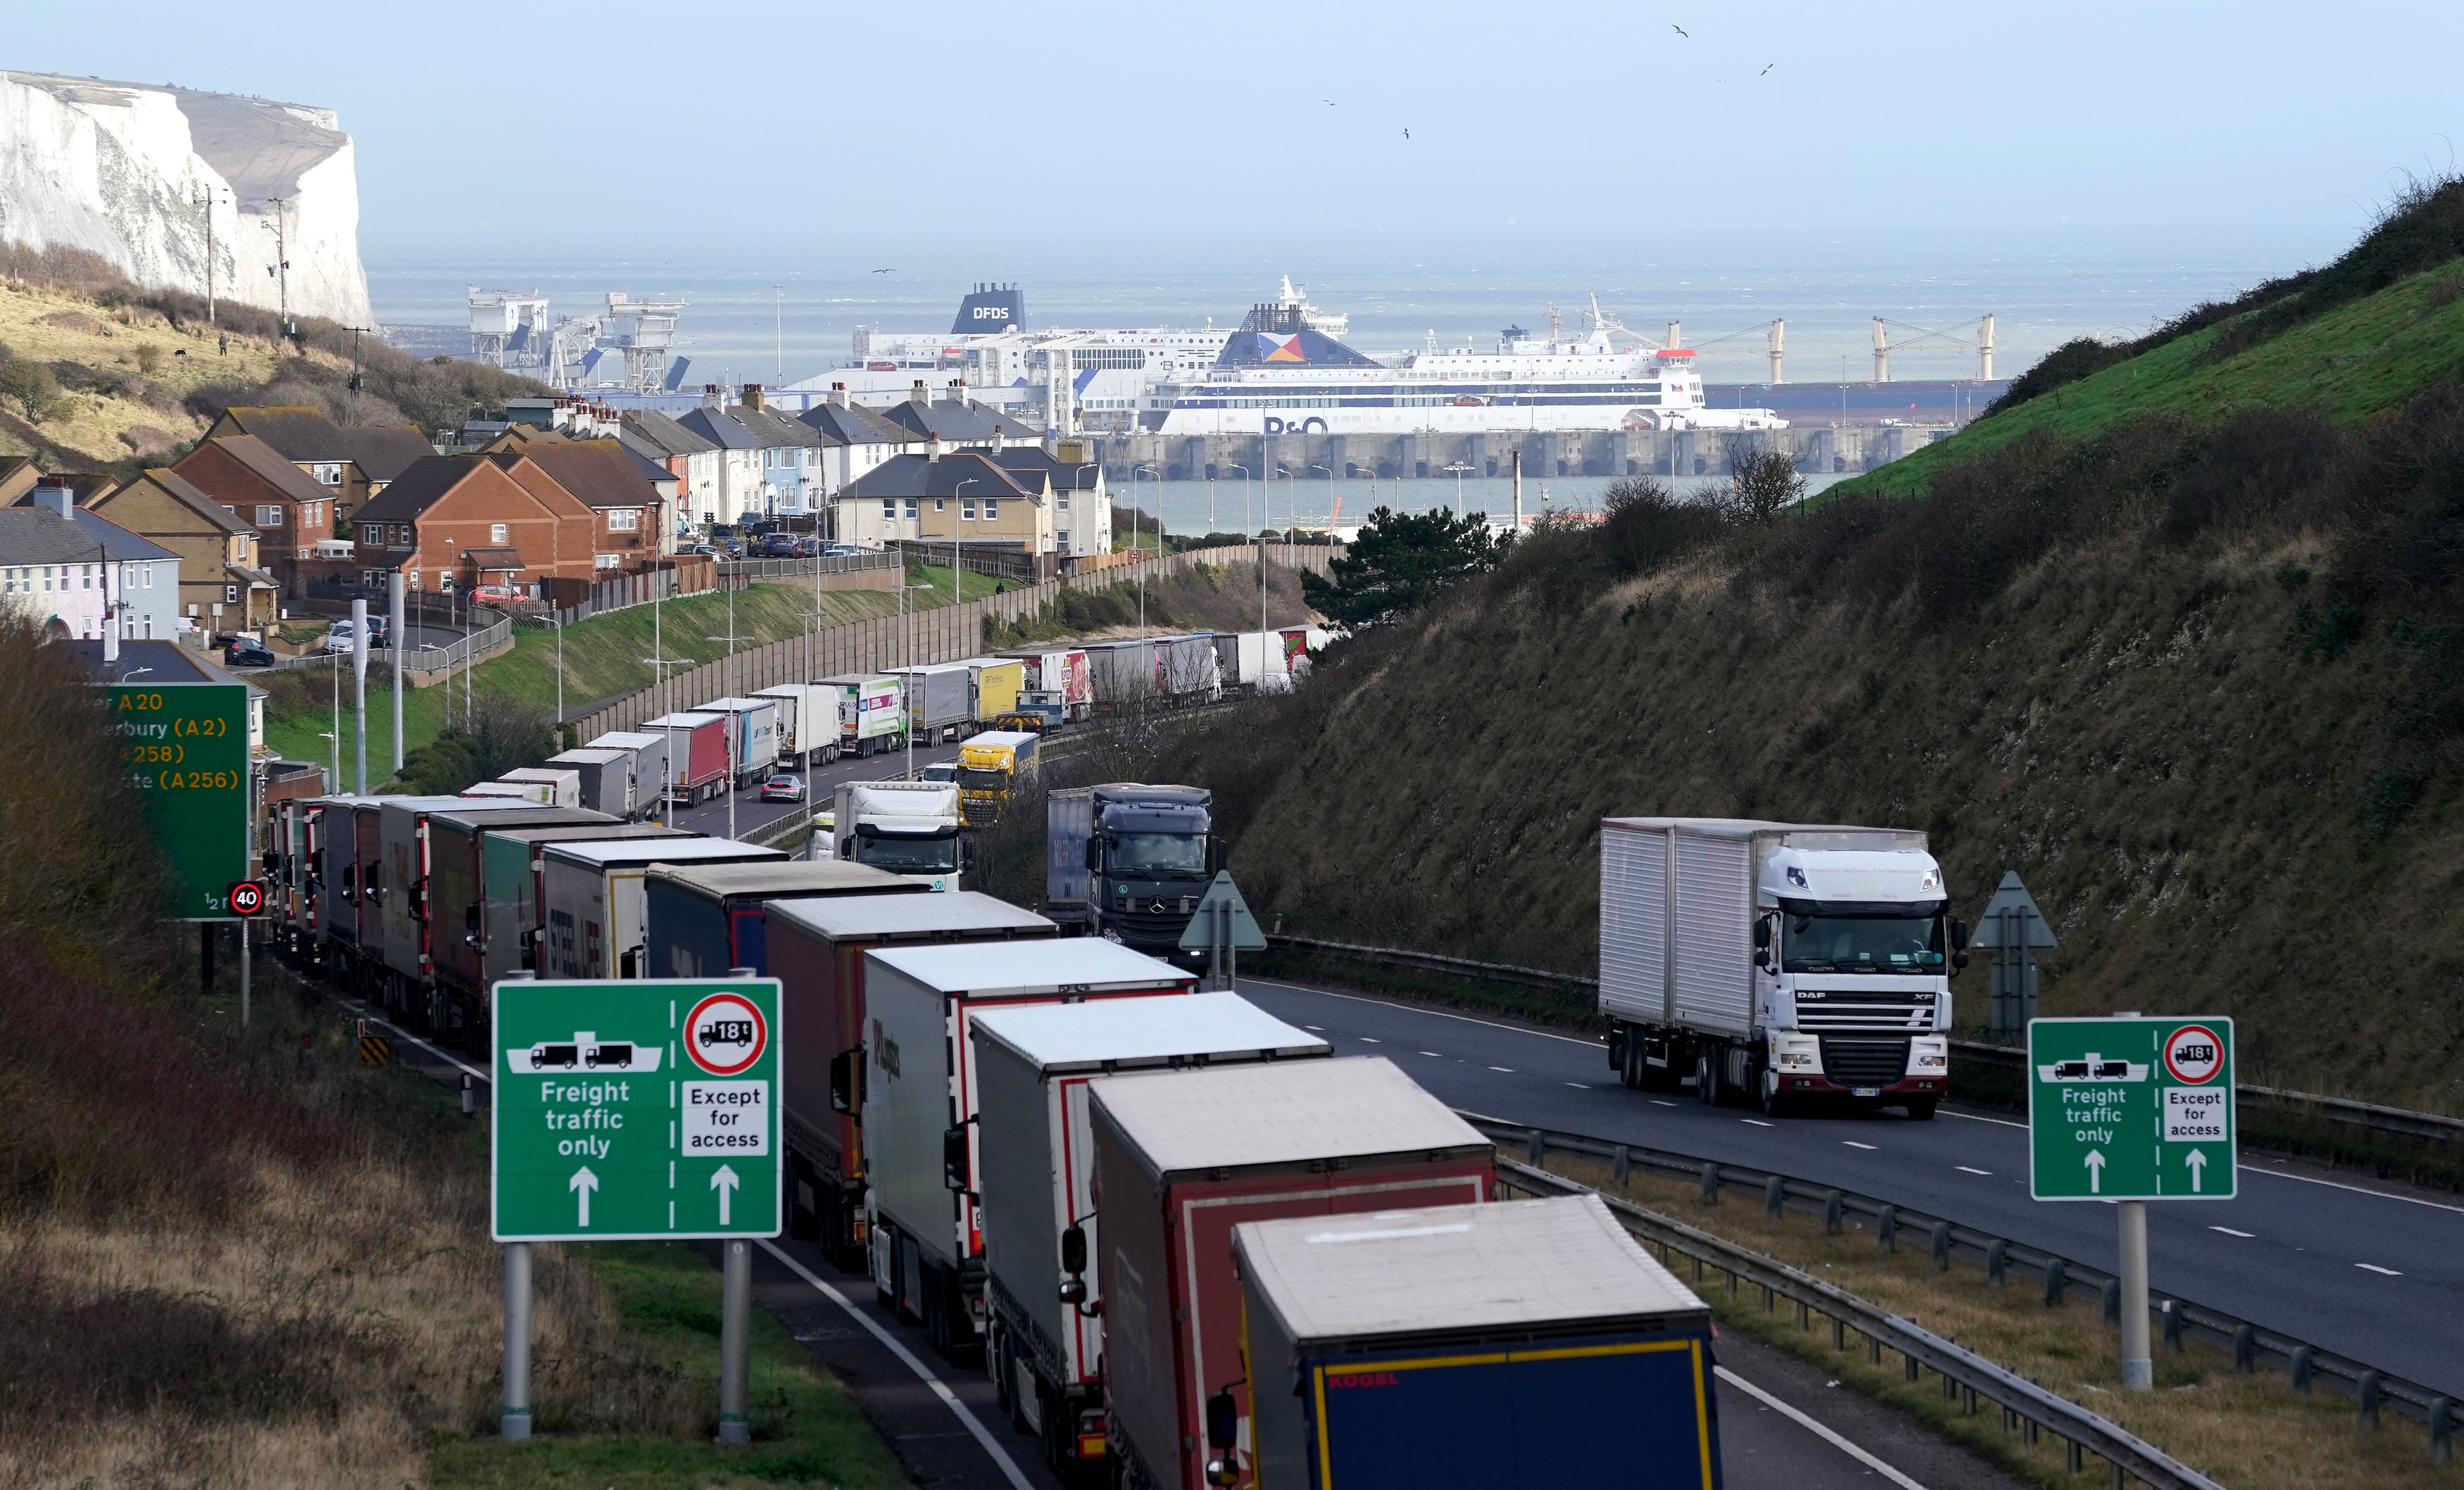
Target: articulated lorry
872,711
697,751
504,935
1129,862
593,904
1774,962
922,1150
751,736
454,888
816,951
809,722
1179,1161
906,827
705,920
992,766
644,773
1057,679
1540,1313
940,700
1034,1065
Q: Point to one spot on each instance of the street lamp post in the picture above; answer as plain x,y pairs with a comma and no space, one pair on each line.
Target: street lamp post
958,559
1246,514
1330,505
1458,468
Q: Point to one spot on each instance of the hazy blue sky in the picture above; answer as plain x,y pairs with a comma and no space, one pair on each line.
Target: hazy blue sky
711,130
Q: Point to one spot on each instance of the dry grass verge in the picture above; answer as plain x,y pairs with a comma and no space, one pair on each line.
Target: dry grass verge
2250,1432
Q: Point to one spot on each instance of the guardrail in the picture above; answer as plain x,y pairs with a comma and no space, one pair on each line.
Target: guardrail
419,659
803,568
2341,1110
2374,1392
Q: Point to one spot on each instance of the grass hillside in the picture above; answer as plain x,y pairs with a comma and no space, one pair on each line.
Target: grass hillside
2195,670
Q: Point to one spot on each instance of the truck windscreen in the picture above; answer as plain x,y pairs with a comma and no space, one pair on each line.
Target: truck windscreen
1861,944
1159,856
978,778
908,855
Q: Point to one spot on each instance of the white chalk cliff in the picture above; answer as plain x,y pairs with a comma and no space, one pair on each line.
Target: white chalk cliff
132,172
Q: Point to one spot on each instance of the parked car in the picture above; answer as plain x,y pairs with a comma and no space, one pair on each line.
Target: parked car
241,652
342,637
783,788
841,550
497,595
943,771
778,545
703,548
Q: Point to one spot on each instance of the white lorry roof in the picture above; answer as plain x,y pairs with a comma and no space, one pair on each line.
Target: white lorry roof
894,916
1504,1265
1802,835
1279,1113
623,739
736,705
683,719
1077,961
1076,1036
602,852
771,877
588,755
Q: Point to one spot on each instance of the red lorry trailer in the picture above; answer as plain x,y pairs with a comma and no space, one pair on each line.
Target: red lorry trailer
816,952
697,754
1180,1160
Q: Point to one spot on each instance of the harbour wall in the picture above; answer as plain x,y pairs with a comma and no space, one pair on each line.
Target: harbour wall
1833,448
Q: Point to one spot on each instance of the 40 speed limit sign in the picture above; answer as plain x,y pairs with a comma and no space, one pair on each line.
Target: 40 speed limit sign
2131,1110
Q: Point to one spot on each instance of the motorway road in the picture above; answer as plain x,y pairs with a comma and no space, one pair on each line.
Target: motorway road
1783,1426
753,814
2356,1266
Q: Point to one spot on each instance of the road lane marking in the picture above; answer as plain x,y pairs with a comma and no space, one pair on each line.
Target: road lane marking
1758,1123
2229,1232
1432,1053
940,1388
1656,1102
2373,1267
1319,1028
1507,1069
1434,1014
1966,1170
1580,1085
1868,1148
1975,1118
1816,1428
1368,1039
2358,1190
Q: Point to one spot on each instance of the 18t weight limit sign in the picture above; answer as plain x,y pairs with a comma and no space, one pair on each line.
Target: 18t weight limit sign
725,1034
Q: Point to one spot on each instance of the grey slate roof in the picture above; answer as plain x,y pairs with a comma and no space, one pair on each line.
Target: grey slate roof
776,430
39,535
1066,475
664,433
920,475
715,427
957,420
857,425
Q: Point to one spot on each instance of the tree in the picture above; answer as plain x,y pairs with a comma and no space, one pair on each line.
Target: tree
32,390
1648,526
1762,484
505,733
1401,560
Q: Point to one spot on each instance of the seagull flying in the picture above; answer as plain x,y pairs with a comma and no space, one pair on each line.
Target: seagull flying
1407,134
1330,103
1766,72
885,270
1680,29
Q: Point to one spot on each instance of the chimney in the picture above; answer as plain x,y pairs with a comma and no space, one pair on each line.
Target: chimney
932,446
920,395
1000,442
57,500
753,395
713,396
839,394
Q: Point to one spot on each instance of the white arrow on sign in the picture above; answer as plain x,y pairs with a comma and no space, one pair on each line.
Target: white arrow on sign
2095,1171
2198,1163
583,1183
725,1183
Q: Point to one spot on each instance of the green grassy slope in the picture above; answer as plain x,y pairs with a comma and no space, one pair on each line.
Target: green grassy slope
603,658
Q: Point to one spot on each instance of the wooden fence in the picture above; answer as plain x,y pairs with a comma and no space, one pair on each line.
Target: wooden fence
943,633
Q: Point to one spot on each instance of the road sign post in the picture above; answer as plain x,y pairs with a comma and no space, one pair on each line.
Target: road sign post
1222,925
642,1109
2131,1110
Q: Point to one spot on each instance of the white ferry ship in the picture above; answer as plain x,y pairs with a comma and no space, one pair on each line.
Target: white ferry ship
1279,374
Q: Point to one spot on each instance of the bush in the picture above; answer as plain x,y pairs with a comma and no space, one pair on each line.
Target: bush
503,734
32,390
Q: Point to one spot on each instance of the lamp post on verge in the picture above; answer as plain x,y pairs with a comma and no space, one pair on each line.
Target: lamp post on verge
907,621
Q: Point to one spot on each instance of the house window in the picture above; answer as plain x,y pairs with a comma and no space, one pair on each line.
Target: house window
268,517
1064,503
371,533
624,519
373,579
85,577
991,509
146,576
889,508
940,504
230,594
1063,537
326,473
911,508
966,508
495,533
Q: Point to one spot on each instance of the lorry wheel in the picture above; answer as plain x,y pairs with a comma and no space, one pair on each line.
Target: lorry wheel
1920,1109
1776,1103
1706,1078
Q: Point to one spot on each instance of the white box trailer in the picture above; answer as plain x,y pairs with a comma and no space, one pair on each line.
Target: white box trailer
920,1102
941,699
564,782
1774,961
809,722
606,777
752,734
872,711
649,752
594,908
1034,1064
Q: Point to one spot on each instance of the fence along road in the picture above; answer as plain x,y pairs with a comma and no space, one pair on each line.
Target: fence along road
2355,1266
943,633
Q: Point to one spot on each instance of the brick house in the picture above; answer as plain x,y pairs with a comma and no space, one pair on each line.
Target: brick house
352,464
603,476
218,554
938,497
455,522
289,511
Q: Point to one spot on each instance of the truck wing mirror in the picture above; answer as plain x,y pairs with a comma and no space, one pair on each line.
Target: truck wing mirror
1762,933
846,1080
1094,853
1223,1421
1958,936
1073,1250
471,919
966,855
1958,960
1217,856
629,964
953,1157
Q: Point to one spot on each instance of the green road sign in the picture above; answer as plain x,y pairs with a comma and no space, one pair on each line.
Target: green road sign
640,1110
186,749
2130,1110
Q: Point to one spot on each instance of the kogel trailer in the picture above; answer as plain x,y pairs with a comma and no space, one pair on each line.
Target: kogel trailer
1565,1353
705,919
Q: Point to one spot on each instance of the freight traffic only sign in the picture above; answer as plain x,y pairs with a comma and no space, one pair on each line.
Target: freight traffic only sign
2130,1110
185,749
637,1109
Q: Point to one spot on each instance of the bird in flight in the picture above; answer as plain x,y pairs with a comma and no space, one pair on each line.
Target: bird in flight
1766,72
1330,103
1680,29
1407,134
885,270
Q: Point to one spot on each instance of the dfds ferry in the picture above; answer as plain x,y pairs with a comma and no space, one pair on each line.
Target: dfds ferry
1280,375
